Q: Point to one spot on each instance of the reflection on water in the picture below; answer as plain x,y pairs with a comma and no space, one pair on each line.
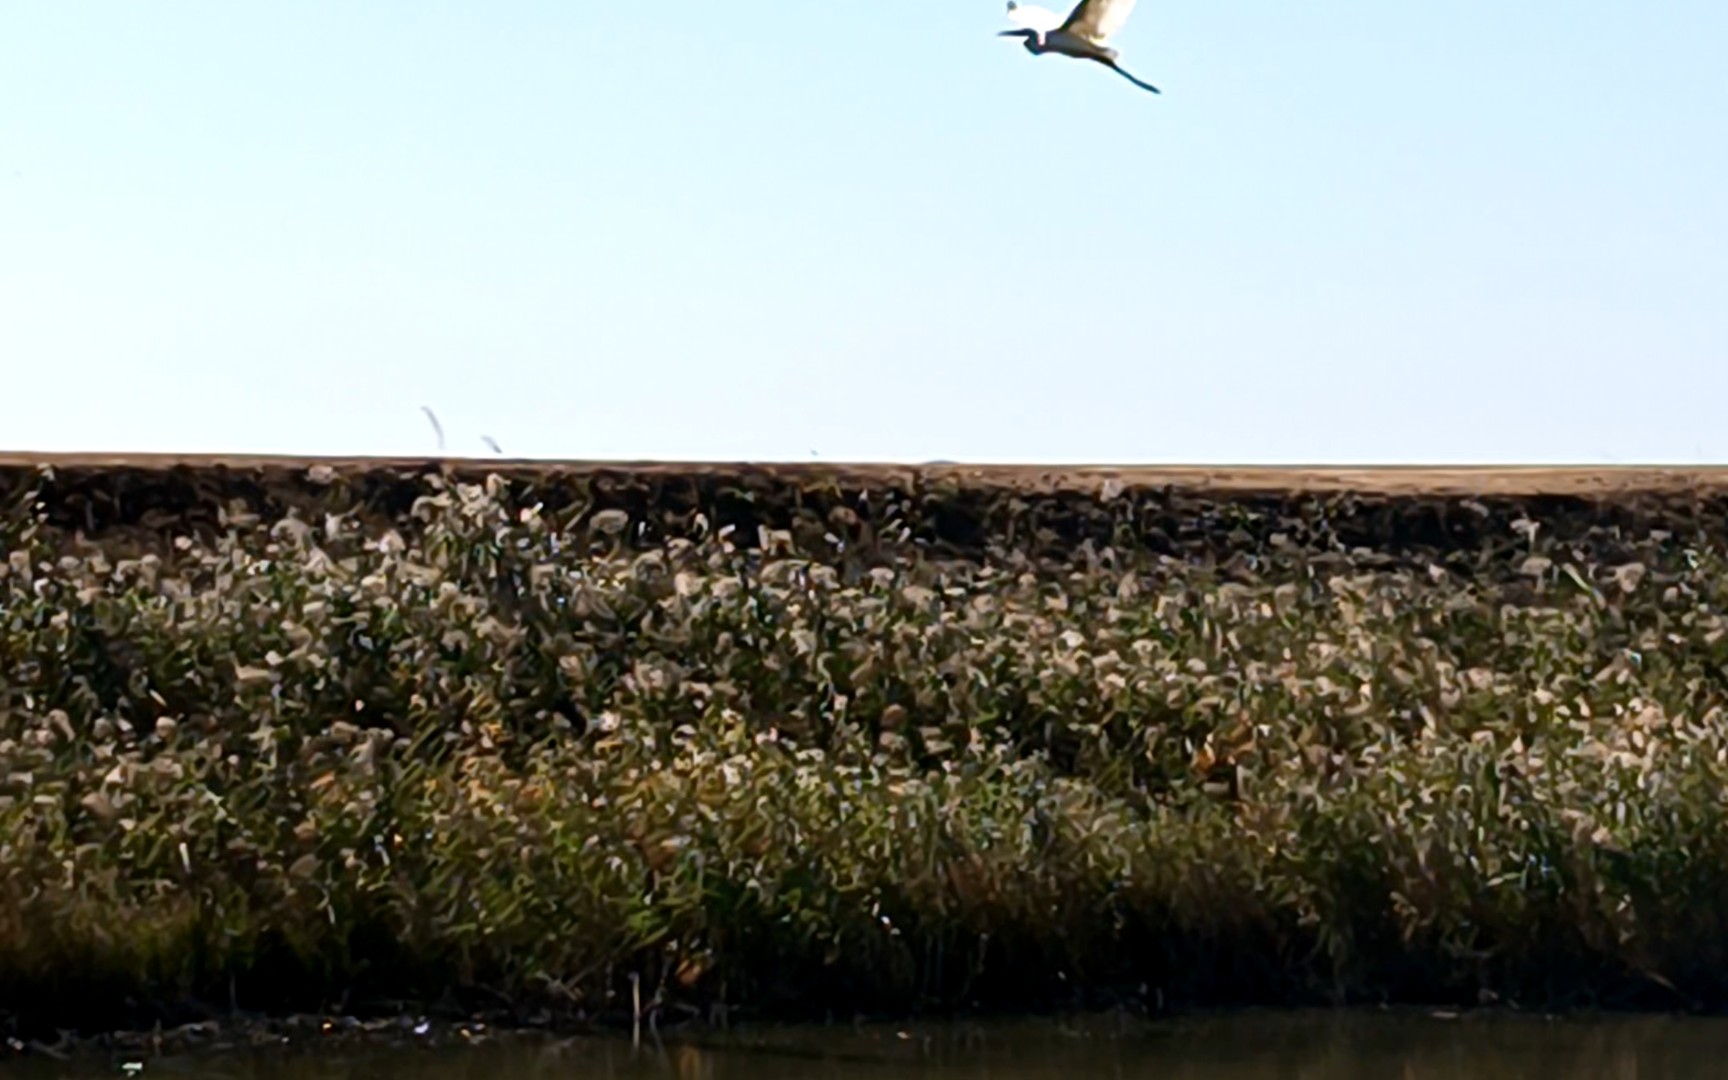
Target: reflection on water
1256,1046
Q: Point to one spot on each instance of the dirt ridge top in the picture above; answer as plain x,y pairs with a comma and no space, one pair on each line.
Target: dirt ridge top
1392,480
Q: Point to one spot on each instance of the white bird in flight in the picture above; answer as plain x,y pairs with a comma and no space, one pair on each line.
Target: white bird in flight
1081,35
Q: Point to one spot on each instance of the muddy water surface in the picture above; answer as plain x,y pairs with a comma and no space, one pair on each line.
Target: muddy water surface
1260,1046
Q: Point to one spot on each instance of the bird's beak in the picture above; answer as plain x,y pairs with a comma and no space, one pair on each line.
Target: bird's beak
1014,33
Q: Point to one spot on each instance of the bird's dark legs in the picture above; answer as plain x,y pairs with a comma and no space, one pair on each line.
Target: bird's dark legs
1112,65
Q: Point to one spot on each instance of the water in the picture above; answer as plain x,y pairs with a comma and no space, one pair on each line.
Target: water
1255,1046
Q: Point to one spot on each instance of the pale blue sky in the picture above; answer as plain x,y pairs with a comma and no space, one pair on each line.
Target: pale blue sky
1348,231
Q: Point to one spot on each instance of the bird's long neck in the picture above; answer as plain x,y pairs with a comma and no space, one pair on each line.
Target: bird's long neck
1033,39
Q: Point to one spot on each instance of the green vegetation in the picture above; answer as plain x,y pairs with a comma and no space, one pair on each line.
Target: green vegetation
487,753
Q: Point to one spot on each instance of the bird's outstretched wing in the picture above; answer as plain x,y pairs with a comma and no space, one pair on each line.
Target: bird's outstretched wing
1097,20
1033,17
